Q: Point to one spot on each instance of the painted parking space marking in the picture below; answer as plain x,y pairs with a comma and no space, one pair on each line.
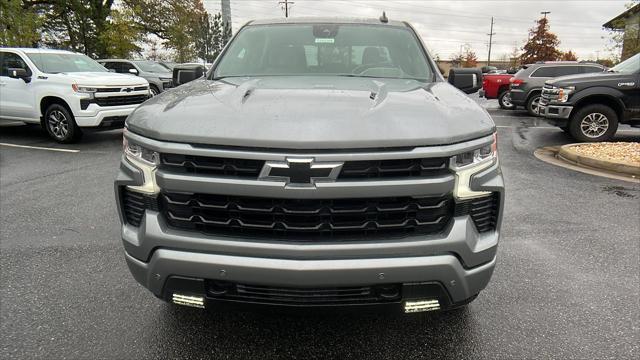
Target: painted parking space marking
40,148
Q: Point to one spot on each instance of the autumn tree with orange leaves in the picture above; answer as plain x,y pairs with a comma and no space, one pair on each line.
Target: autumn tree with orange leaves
542,44
569,56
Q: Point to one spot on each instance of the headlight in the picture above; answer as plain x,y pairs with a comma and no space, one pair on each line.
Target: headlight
470,163
84,90
139,153
165,79
144,159
564,92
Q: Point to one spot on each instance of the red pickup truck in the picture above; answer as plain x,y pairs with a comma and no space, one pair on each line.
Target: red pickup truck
496,86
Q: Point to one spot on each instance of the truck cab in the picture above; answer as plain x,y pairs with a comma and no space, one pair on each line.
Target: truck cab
591,106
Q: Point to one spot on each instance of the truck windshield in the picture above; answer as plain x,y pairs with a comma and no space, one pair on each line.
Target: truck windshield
629,66
358,50
64,63
151,66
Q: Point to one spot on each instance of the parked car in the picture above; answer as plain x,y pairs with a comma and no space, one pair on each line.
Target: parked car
591,106
158,76
294,175
167,64
526,84
65,92
496,86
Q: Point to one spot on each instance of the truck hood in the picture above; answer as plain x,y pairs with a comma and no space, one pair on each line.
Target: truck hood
100,78
585,80
312,113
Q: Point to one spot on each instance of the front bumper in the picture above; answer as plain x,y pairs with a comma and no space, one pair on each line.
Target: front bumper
551,111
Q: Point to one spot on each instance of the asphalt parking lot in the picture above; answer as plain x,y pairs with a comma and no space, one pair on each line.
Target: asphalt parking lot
567,282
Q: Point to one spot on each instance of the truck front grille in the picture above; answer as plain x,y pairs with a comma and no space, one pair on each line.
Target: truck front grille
306,219
244,168
397,168
121,100
351,170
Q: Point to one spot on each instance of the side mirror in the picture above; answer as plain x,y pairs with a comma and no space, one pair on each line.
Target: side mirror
19,73
467,80
133,71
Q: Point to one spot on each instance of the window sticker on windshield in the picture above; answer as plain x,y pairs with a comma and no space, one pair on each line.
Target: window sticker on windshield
325,41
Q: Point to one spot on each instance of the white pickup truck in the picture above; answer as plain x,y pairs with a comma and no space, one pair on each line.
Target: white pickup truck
65,92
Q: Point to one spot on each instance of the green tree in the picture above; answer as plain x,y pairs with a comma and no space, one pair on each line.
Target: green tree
212,35
176,22
74,24
121,35
542,44
19,24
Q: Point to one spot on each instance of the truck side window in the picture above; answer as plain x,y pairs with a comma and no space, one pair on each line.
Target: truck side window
545,71
10,61
112,66
125,66
568,70
592,69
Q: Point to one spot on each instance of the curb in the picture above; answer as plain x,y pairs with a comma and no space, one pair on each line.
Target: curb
567,153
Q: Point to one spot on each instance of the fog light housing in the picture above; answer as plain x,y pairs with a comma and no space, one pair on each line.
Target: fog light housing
421,305
188,300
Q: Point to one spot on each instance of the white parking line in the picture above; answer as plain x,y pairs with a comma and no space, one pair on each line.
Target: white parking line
527,127
40,148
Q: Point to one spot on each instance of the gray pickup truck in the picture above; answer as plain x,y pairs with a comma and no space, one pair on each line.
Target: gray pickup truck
320,162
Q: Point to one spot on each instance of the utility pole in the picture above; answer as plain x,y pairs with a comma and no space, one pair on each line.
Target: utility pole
543,39
491,33
225,5
285,5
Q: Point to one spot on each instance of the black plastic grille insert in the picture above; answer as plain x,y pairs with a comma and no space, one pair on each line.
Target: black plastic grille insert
306,219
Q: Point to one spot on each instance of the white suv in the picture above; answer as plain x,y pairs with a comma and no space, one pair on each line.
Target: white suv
65,91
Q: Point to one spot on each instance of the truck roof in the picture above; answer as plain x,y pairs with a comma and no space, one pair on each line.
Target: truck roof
327,20
40,50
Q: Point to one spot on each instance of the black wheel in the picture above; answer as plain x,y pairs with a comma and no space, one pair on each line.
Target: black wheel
60,124
504,100
593,123
533,105
154,90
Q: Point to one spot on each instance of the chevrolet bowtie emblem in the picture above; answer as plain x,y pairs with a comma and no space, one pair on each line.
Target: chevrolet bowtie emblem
300,171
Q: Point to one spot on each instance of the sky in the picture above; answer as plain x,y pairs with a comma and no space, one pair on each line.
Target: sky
446,26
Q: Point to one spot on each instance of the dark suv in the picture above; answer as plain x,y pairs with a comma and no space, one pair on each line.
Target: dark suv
526,85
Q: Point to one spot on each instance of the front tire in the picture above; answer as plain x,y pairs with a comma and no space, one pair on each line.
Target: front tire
154,90
594,123
504,100
533,105
61,125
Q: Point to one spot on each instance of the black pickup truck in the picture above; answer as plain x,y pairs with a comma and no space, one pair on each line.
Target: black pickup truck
591,106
